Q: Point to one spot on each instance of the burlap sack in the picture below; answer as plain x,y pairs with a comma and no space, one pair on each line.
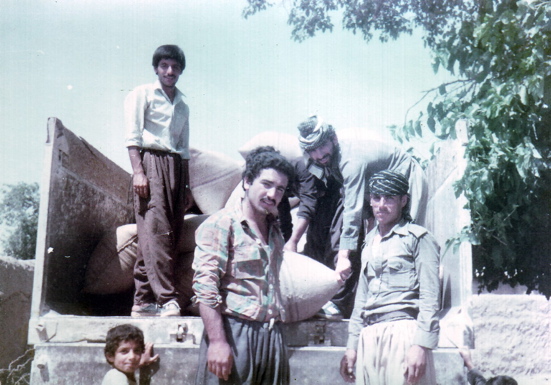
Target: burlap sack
286,144
186,241
213,177
306,285
236,196
111,265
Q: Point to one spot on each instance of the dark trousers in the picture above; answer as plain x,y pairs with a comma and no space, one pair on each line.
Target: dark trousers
259,355
159,219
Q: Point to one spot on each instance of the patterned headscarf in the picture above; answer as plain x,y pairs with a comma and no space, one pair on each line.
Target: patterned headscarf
311,138
388,182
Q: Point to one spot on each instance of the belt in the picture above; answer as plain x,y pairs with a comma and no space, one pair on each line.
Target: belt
265,325
157,152
373,319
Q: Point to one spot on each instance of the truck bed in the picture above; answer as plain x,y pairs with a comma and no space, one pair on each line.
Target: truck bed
83,196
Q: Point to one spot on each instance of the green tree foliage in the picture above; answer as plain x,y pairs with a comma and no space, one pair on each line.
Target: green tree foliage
500,53
19,212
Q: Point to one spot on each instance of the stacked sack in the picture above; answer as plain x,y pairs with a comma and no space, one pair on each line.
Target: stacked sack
110,270
215,182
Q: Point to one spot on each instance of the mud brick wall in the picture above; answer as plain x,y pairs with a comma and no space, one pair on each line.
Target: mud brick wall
16,283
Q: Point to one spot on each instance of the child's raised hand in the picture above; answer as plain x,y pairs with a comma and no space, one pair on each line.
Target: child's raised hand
147,359
466,355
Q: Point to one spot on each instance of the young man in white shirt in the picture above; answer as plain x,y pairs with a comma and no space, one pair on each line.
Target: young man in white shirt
157,138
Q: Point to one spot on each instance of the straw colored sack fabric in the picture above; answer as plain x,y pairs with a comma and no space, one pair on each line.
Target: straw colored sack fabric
111,267
186,241
236,196
286,144
306,285
213,177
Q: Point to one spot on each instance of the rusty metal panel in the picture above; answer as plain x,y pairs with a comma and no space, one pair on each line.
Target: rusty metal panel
85,195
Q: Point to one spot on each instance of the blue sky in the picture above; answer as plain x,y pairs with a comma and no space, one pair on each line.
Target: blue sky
77,59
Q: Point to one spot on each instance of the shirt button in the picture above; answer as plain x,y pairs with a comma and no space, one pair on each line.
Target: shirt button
270,311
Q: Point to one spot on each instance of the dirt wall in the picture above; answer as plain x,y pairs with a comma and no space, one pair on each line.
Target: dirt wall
513,336
16,282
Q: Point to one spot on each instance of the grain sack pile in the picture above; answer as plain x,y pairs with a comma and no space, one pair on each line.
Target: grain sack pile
213,177
215,182
111,267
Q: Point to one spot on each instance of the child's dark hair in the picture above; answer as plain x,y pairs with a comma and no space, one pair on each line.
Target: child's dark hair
501,380
120,334
169,52
266,157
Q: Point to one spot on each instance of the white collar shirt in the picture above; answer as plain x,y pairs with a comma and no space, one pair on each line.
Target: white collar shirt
153,121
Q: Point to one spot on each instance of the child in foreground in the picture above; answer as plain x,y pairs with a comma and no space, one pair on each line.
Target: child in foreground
126,352
475,377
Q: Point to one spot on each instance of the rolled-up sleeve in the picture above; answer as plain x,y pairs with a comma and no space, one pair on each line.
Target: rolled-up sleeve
427,263
210,262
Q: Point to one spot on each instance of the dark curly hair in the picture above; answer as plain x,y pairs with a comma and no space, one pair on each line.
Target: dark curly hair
266,157
122,333
169,52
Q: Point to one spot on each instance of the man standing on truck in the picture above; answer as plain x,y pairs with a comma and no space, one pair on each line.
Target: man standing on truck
237,262
394,325
333,209
157,138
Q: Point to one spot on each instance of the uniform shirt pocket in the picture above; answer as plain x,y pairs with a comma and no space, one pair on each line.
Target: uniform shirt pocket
401,273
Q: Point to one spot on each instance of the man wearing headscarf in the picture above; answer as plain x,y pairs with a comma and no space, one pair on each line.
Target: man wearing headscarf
394,325
332,188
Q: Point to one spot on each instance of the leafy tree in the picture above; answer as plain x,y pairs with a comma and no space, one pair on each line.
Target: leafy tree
500,53
19,211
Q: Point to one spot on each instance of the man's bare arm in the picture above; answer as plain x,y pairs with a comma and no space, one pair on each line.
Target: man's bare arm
416,361
139,180
219,355
298,231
